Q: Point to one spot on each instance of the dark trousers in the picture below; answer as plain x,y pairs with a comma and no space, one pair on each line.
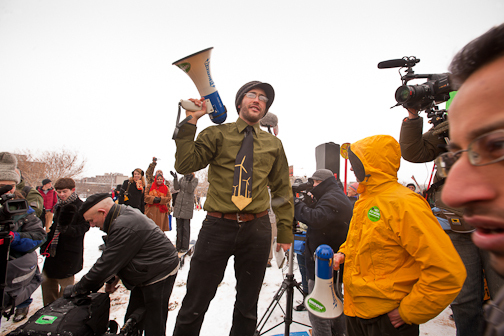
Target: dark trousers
155,299
183,233
218,240
378,326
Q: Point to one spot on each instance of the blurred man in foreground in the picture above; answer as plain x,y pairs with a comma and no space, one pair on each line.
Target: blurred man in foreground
475,161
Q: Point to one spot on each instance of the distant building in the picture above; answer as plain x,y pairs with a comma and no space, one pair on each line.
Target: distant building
101,183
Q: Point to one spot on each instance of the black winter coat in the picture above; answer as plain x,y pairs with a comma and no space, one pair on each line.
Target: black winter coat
135,196
327,220
135,249
69,252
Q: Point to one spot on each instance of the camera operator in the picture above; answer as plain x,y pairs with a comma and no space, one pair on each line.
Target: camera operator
327,219
468,305
27,233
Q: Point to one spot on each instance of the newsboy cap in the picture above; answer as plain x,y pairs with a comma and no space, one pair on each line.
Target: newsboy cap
321,175
268,90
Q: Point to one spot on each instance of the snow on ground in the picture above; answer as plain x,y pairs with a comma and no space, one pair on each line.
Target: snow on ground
219,315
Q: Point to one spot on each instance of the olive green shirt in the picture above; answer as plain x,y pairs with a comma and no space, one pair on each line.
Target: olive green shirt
218,146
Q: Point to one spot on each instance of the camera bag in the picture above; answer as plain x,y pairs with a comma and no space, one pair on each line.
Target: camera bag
85,315
299,242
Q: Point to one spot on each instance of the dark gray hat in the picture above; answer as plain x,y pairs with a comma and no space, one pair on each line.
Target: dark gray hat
91,201
268,89
8,164
321,175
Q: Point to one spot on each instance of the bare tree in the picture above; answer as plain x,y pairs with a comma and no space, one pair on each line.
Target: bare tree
49,164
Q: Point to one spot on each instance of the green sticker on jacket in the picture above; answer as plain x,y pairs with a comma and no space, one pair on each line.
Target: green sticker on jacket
374,214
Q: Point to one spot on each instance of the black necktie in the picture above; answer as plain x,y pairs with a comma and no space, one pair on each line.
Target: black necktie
242,181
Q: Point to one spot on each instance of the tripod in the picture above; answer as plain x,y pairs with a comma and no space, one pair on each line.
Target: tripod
288,285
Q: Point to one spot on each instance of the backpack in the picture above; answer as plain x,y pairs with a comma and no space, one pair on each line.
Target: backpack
85,315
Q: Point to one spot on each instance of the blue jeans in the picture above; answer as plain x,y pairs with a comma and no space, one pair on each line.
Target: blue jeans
25,303
218,240
468,305
302,270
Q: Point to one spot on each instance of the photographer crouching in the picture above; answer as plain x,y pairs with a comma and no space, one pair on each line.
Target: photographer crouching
468,305
327,216
136,252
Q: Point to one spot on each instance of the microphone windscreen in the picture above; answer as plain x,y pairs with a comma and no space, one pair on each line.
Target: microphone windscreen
395,63
5,188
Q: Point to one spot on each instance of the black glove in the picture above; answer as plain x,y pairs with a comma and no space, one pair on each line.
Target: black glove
74,290
157,199
67,214
173,174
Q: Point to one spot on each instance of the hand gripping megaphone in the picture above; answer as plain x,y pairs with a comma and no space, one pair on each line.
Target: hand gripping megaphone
322,301
197,66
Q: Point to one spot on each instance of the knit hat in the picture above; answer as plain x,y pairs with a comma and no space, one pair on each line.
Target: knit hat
268,89
8,164
353,186
45,181
321,175
91,201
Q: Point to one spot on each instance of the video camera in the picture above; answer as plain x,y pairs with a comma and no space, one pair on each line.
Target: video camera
10,207
423,96
300,191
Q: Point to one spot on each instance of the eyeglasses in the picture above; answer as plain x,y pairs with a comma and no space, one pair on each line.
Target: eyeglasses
484,150
253,95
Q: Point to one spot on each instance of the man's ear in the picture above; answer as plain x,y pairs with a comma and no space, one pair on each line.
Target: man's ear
73,190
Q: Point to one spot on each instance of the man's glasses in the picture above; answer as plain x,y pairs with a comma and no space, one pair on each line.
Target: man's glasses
484,150
253,95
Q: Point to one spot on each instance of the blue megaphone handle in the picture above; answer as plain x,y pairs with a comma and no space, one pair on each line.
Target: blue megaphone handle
218,116
324,262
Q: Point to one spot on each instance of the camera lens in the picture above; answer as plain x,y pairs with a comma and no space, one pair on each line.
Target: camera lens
403,93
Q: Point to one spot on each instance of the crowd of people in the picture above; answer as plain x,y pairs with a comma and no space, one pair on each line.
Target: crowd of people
402,259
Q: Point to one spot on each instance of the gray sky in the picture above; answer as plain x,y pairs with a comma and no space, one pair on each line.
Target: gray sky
96,77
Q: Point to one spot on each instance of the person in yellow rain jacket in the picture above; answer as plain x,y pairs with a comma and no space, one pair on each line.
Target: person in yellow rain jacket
401,269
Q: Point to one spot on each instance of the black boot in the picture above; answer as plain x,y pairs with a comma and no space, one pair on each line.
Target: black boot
21,313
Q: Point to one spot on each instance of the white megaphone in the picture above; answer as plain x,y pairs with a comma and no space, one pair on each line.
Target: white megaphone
197,66
322,301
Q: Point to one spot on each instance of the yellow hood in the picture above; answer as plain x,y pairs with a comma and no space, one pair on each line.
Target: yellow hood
381,157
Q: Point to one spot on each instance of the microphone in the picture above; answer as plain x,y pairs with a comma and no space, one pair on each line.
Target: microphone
395,63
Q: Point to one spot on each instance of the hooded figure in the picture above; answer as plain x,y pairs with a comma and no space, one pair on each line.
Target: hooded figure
397,257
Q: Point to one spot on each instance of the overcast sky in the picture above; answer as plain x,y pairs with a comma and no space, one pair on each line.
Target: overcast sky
96,77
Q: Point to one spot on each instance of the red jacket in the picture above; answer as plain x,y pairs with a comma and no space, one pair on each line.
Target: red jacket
50,198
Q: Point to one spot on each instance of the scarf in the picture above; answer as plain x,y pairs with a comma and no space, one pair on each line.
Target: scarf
54,243
159,191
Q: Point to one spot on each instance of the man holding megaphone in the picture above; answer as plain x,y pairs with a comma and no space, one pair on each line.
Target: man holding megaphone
243,161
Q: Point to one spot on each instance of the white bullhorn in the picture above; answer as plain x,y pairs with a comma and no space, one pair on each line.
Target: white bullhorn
197,66
322,301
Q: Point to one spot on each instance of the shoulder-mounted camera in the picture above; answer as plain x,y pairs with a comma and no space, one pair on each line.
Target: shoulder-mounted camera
420,97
